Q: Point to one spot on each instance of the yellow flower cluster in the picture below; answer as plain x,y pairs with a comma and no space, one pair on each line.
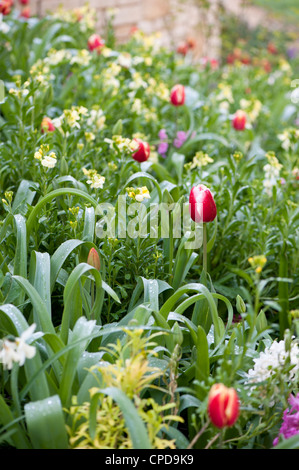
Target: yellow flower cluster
273,161
122,144
84,16
200,159
131,373
258,262
138,194
94,179
48,160
252,108
158,89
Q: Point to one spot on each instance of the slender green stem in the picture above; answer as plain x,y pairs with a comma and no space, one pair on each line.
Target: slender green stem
204,248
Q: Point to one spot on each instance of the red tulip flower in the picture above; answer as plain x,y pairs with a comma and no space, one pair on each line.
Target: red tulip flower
183,49
24,2
5,6
223,405
143,152
177,95
47,125
95,43
272,48
202,206
25,13
239,120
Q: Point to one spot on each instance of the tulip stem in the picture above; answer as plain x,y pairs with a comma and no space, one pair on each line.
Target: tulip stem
204,247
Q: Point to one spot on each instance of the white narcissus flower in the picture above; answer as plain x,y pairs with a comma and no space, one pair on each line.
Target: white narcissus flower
18,350
24,350
8,354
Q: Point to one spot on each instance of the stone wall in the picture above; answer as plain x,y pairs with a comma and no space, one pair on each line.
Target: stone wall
176,20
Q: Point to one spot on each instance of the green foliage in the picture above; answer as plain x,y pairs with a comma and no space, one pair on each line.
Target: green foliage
125,355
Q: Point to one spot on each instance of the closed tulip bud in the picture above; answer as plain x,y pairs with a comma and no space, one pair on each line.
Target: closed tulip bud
143,152
95,43
177,334
223,405
64,168
177,95
240,304
47,125
93,259
118,127
202,206
239,120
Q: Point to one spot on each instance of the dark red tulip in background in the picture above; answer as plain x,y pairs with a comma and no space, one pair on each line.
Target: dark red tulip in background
143,152
202,206
223,405
177,95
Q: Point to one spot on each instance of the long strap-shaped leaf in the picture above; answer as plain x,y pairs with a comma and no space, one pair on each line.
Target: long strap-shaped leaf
61,254
218,324
39,389
52,195
42,317
46,424
72,309
134,423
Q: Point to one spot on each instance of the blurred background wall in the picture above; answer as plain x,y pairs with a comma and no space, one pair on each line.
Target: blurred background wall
176,20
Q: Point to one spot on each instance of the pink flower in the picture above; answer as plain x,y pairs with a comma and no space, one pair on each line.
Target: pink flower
290,423
162,134
180,139
162,148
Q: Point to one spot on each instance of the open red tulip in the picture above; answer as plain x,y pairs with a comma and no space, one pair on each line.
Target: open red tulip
239,120
202,206
223,405
143,152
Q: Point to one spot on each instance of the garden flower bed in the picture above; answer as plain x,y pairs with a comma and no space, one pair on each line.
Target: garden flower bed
149,241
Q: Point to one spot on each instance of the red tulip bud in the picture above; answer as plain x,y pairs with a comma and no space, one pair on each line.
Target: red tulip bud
239,120
95,42
182,49
223,405
93,259
25,13
47,125
143,152
202,206
24,2
272,48
177,95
